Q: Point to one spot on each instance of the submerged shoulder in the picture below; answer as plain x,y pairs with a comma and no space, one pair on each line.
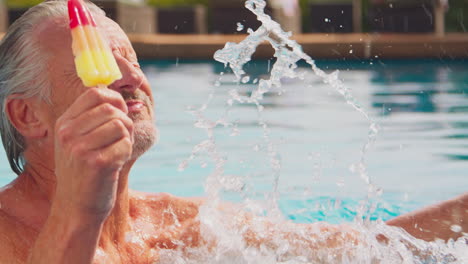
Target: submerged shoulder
163,203
164,198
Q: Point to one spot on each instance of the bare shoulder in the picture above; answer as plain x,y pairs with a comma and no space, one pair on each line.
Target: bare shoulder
15,237
174,218
162,204
13,246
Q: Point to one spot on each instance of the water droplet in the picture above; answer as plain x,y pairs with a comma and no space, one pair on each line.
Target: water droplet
374,128
327,20
245,79
341,182
337,204
217,83
182,166
232,183
405,197
234,132
379,191
456,228
240,27
350,51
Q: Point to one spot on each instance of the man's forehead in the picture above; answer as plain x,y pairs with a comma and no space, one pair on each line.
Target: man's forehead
54,33
112,31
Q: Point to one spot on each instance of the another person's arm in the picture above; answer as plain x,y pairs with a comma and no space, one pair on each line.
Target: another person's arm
446,220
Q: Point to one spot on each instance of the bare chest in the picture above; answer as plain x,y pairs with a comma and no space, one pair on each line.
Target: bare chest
16,240
147,240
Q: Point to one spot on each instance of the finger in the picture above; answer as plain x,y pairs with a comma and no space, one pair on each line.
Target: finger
98,116
103,136
92,98
114,156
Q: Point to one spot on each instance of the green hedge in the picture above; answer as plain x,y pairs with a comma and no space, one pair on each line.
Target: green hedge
329,1
171,3
456,19
22,3
305,14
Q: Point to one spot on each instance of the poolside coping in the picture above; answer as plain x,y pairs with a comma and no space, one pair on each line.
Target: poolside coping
322,46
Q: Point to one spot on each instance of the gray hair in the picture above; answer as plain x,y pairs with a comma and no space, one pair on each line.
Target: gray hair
23,65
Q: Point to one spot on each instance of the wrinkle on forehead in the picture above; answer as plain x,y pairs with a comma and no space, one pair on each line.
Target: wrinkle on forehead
112,31
52,32
54,37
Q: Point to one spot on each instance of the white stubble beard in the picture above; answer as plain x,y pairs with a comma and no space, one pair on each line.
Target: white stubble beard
145,135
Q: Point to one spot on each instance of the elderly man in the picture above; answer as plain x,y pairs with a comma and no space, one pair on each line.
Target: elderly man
73,147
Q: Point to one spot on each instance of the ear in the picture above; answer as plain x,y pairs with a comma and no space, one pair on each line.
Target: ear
26,116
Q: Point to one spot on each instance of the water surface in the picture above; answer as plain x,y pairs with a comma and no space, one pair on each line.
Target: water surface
420,156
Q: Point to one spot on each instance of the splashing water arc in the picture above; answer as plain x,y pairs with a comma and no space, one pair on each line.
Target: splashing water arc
288,53
229,235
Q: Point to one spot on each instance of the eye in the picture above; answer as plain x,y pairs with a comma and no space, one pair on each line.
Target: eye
117,52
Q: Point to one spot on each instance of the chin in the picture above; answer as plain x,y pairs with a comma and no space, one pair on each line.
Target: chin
145,136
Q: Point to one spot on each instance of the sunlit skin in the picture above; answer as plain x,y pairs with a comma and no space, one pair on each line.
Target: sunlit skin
44,191
72,204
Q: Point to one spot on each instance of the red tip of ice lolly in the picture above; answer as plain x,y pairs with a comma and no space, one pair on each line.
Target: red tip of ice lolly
79,14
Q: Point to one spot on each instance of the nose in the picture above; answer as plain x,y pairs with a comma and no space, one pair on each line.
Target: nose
132,77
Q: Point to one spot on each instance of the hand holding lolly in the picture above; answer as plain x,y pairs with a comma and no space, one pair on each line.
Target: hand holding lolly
94,61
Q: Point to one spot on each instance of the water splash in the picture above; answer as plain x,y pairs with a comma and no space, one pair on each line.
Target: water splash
287,53
229,235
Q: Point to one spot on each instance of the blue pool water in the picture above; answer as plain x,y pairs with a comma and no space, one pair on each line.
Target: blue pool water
420,156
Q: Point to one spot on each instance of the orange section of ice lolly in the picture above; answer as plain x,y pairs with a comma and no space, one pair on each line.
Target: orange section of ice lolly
94,61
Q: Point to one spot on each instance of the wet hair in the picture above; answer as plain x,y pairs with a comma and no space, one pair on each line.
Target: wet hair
23,68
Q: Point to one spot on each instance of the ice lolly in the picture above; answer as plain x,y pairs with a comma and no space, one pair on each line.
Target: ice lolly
94,61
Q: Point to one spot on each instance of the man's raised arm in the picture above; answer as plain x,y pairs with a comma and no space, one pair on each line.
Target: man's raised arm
66,238
93,140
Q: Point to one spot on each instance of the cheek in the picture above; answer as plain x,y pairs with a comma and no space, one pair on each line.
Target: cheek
50,116
147,90
62,100
60,104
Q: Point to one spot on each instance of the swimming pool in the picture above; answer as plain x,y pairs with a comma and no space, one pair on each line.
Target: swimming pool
420,155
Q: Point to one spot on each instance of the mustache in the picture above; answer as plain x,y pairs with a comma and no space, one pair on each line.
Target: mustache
137,95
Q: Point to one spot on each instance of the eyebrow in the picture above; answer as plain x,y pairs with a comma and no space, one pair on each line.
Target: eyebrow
126,52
